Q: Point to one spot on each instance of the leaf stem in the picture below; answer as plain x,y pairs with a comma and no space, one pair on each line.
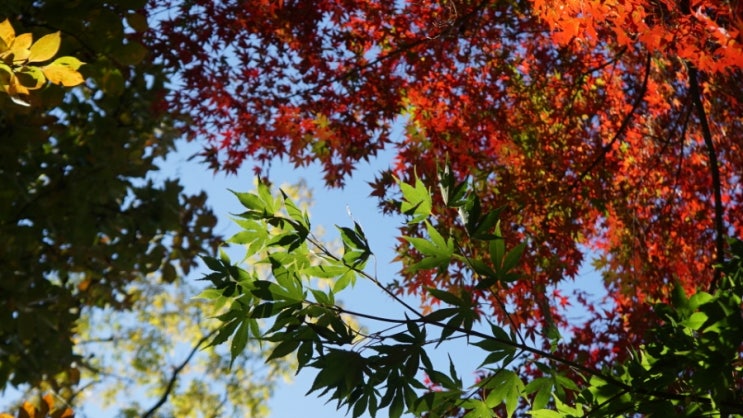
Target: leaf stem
366,275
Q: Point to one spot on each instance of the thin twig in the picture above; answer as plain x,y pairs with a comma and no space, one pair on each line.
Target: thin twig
174,376
622,127
366,275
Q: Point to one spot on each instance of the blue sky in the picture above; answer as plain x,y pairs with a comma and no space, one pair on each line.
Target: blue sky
332,207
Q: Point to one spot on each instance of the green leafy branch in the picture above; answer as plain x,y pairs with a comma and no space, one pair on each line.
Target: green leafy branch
691,367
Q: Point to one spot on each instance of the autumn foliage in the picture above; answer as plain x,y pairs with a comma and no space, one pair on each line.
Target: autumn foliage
46,408
610,127
18,54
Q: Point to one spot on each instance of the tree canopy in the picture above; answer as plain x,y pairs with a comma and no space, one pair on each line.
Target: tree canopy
690,364
93,239
554,132
610,128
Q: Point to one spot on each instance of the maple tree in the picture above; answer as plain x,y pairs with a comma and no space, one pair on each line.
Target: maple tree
689,366
609,127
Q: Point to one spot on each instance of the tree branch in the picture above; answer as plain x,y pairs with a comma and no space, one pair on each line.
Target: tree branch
696,97
174,376
622,127
314,241
734,406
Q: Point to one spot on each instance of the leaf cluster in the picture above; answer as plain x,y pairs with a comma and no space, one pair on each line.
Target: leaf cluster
479,225
309,322
18,55
689,366
44,408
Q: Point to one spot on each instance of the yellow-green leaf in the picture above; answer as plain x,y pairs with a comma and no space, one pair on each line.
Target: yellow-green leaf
45,48
29,409
62,74
7,34
71,62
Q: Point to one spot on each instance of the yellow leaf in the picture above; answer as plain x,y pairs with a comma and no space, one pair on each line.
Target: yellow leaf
62,74
20,46
45,48
27,410
20,56
15,87
66,413
7,34
49,401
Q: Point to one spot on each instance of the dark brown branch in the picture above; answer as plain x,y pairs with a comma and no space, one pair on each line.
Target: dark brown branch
696,97
174,376
622,128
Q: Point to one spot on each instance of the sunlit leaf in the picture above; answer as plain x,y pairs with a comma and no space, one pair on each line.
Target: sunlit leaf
239,340
417,200
45,48
7,35
62,74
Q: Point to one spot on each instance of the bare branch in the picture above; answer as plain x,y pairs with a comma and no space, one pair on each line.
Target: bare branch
174,376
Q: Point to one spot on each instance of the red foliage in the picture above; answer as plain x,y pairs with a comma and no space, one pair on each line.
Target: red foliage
577,116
